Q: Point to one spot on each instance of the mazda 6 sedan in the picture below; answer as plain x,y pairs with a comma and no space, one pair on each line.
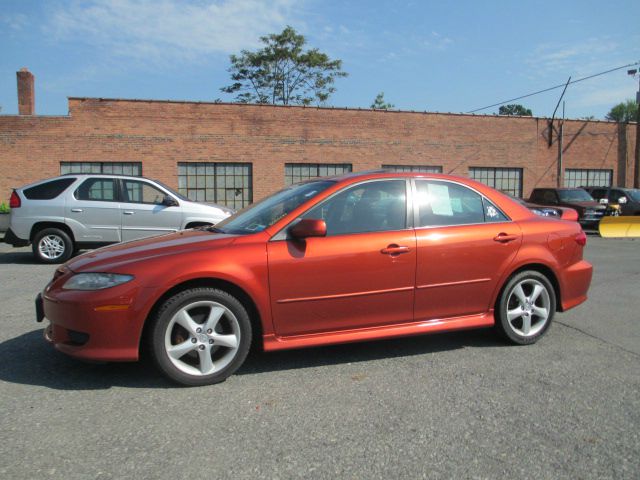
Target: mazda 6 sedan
332,260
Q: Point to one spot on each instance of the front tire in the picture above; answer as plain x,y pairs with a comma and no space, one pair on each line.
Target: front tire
200,336
526,307
52,245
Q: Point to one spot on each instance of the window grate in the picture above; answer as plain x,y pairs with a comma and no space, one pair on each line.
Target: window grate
229,184
507,180
414,168
133,169
296,172
585,177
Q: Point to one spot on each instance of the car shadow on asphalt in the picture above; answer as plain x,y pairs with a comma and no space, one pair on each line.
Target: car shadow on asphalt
28,360
18,258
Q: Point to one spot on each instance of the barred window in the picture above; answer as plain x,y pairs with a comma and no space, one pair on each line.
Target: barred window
414,168
296,172
133,169
577,177
507,180
229,184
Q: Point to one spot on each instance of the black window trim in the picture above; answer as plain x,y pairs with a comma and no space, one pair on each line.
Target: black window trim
416,207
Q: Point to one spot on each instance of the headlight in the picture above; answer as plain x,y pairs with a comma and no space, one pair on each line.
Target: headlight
95,281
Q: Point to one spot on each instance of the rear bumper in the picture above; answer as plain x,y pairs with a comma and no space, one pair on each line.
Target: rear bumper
12,239
576,280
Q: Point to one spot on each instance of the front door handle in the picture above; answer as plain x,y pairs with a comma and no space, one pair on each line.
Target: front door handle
505,237
76,210
127,212
394,249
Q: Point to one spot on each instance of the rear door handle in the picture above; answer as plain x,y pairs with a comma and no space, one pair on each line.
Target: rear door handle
505,237
127,212
76,210
394,249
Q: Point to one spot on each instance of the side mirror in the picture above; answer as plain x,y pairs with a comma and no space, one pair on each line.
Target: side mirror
308,227
169,201
622,200
603,201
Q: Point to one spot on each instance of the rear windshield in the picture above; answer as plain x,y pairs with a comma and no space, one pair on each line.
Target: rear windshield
48,190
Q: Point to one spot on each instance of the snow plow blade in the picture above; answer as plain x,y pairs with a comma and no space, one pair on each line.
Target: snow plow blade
620,227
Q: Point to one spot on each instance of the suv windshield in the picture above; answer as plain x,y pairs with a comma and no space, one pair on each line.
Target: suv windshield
265,213
172,191
634,194
577,195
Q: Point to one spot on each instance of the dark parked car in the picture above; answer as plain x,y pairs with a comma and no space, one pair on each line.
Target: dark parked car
628,199
589,211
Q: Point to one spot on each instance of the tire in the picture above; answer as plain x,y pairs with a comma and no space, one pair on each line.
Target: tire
526,307
200,336
52,245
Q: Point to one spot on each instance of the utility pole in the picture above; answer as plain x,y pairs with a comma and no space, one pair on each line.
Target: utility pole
636,169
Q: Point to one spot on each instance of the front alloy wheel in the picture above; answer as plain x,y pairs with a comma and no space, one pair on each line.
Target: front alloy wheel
200,336
526,307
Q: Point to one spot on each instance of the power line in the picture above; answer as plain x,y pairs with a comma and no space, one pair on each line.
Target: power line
555,87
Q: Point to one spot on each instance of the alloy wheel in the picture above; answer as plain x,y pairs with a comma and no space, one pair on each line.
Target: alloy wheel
528,307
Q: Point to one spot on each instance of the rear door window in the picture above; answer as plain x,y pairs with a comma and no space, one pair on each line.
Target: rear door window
445,203
48,190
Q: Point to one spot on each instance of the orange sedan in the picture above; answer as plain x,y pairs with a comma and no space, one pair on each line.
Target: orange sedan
332,260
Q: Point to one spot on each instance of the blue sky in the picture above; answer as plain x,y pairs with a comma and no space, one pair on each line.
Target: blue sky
425,55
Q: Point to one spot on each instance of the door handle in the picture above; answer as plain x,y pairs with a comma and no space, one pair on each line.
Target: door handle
505,237
76,210
127,212
394,249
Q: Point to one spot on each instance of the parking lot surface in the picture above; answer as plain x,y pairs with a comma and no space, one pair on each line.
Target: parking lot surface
458,405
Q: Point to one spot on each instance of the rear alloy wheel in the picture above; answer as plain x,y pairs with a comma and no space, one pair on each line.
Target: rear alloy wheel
52,245
526,307
200,336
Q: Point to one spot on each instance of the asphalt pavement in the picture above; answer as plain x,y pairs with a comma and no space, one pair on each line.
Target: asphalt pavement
456,405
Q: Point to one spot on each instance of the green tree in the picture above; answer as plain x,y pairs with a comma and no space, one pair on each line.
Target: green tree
515,109
623,112
380,104
282,72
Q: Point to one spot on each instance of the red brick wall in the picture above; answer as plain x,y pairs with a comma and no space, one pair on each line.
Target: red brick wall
161,134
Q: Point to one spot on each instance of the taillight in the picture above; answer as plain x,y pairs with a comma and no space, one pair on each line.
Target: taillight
581,238
14,201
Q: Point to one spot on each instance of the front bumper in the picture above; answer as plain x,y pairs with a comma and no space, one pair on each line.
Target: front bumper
103,325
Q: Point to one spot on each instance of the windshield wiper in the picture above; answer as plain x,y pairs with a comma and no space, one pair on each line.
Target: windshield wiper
215,229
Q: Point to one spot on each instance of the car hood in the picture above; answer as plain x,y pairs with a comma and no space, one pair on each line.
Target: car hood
587,204
115,256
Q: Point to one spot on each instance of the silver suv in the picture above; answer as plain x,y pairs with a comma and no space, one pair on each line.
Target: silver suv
72,212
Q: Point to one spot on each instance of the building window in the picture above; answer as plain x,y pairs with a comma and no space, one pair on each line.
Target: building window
574,177
507,180
133,169
413,168
227,184
295,172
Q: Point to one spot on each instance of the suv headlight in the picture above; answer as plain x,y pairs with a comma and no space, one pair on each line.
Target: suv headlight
95,281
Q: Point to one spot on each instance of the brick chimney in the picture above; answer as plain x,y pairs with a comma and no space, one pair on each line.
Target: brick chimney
26,92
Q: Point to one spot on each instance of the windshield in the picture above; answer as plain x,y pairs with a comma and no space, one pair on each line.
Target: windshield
577,195
172,191
635,194
265,213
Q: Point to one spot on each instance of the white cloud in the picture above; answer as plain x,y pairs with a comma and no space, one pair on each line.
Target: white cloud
580,57
16,21
437,41
168,30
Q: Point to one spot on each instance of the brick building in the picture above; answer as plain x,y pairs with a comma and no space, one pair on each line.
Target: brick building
235,154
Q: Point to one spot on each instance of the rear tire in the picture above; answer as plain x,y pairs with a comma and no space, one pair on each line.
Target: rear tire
200,336
526,307
52,245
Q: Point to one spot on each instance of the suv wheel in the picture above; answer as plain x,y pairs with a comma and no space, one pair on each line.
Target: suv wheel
52,245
